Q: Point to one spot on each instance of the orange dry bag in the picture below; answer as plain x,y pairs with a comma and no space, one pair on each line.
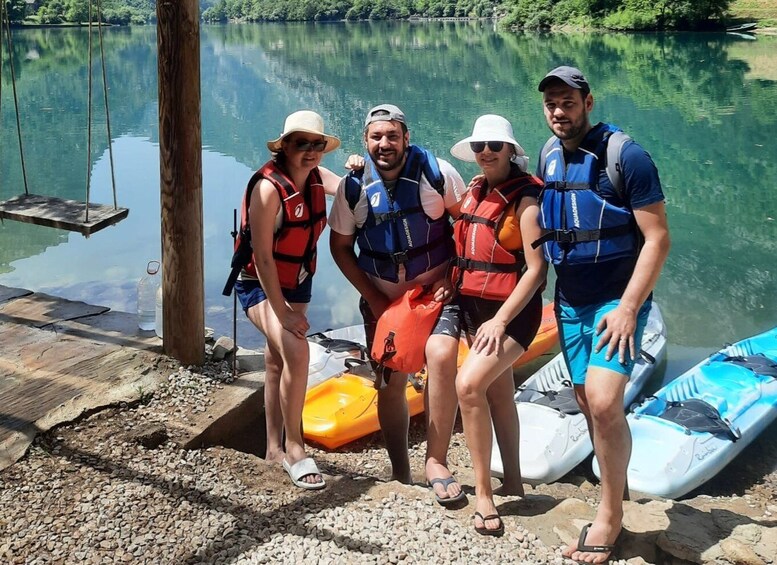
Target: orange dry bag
402,331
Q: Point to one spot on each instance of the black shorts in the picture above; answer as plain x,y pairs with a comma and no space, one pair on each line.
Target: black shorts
523,328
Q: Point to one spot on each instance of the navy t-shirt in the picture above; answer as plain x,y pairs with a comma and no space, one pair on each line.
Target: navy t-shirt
591,283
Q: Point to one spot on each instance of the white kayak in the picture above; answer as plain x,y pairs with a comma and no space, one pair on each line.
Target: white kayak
554,433
329,350
688,431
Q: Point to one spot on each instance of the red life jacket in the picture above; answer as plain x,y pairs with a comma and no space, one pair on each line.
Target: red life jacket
482,267
304,218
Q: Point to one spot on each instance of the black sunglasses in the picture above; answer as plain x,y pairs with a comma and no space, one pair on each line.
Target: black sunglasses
303,145
480,146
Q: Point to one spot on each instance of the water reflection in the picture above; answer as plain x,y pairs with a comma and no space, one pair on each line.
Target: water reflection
702,104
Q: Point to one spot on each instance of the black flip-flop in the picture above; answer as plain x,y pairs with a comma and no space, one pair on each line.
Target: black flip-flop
448,500
484,531
585,548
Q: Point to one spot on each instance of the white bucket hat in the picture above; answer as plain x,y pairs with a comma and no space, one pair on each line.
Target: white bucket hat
490,127
306,121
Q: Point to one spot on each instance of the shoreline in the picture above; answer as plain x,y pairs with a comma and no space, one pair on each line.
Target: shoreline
763,29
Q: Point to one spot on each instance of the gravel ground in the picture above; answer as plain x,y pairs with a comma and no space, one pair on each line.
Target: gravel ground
116,487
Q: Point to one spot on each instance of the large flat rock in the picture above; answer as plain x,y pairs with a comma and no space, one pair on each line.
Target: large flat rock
60,359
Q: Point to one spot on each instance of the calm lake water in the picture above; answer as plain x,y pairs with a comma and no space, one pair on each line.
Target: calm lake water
702,104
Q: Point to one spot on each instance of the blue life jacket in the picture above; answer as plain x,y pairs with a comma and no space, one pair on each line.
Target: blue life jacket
397,230
579,225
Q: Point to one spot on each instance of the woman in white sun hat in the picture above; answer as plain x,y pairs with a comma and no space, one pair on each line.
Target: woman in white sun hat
283,215
499,278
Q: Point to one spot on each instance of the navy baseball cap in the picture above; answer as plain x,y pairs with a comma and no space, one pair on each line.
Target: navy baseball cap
569,75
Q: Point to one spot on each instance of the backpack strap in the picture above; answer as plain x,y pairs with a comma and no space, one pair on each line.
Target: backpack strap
431,169
543,154
353,188
613,166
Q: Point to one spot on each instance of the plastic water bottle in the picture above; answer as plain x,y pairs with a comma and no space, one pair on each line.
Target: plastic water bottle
147,288
158,317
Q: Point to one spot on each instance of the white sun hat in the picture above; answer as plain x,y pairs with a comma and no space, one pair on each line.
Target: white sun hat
490,127
305,121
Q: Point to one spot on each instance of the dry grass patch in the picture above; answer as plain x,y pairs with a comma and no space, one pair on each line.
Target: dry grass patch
754,10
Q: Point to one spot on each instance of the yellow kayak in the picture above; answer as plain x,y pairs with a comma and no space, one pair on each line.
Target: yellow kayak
345,408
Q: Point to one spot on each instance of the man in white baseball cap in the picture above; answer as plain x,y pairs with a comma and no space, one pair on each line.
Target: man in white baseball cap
398,211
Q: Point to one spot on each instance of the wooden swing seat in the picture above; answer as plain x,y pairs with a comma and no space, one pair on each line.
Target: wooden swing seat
60,213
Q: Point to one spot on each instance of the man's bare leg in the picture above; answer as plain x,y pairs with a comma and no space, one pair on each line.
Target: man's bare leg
394,423
602,397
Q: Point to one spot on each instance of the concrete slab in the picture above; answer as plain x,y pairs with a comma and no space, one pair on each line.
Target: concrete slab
234,420
40,310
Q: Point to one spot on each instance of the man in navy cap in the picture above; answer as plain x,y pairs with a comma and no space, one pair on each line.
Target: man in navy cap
605,231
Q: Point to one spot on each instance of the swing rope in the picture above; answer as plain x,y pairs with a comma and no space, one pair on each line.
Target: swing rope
105,101
89,107
89,116
6,19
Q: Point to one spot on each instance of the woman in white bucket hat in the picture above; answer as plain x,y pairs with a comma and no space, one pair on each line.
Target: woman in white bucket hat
499,278
277,252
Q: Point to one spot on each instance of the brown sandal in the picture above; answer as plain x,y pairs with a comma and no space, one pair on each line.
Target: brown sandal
484,531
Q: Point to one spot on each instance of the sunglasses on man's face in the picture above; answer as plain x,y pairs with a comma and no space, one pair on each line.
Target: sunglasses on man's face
305,145
480,146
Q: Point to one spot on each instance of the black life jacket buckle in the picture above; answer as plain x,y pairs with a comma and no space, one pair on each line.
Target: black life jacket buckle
399,257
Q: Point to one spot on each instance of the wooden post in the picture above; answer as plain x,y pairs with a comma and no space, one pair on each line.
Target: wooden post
180,161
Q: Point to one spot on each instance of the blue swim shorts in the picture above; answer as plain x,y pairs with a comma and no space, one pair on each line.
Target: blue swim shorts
577,332
250,293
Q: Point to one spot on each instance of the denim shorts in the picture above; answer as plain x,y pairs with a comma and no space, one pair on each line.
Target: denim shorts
577,332
250,293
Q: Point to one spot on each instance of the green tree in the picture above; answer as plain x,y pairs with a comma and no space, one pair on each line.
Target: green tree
17,9
76,11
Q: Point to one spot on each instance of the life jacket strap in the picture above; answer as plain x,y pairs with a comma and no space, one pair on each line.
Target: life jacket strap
397,214
582,236
471,265
400,257
471,218
293,258
561,185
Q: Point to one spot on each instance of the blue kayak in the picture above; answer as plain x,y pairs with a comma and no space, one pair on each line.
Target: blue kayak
694,426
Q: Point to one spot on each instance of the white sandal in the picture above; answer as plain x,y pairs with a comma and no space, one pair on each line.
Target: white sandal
303,468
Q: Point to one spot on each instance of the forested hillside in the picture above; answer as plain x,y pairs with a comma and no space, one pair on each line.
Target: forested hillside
514,14
529,14
119,12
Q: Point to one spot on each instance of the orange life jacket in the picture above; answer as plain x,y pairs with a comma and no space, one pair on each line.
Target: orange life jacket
483,267
304,218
